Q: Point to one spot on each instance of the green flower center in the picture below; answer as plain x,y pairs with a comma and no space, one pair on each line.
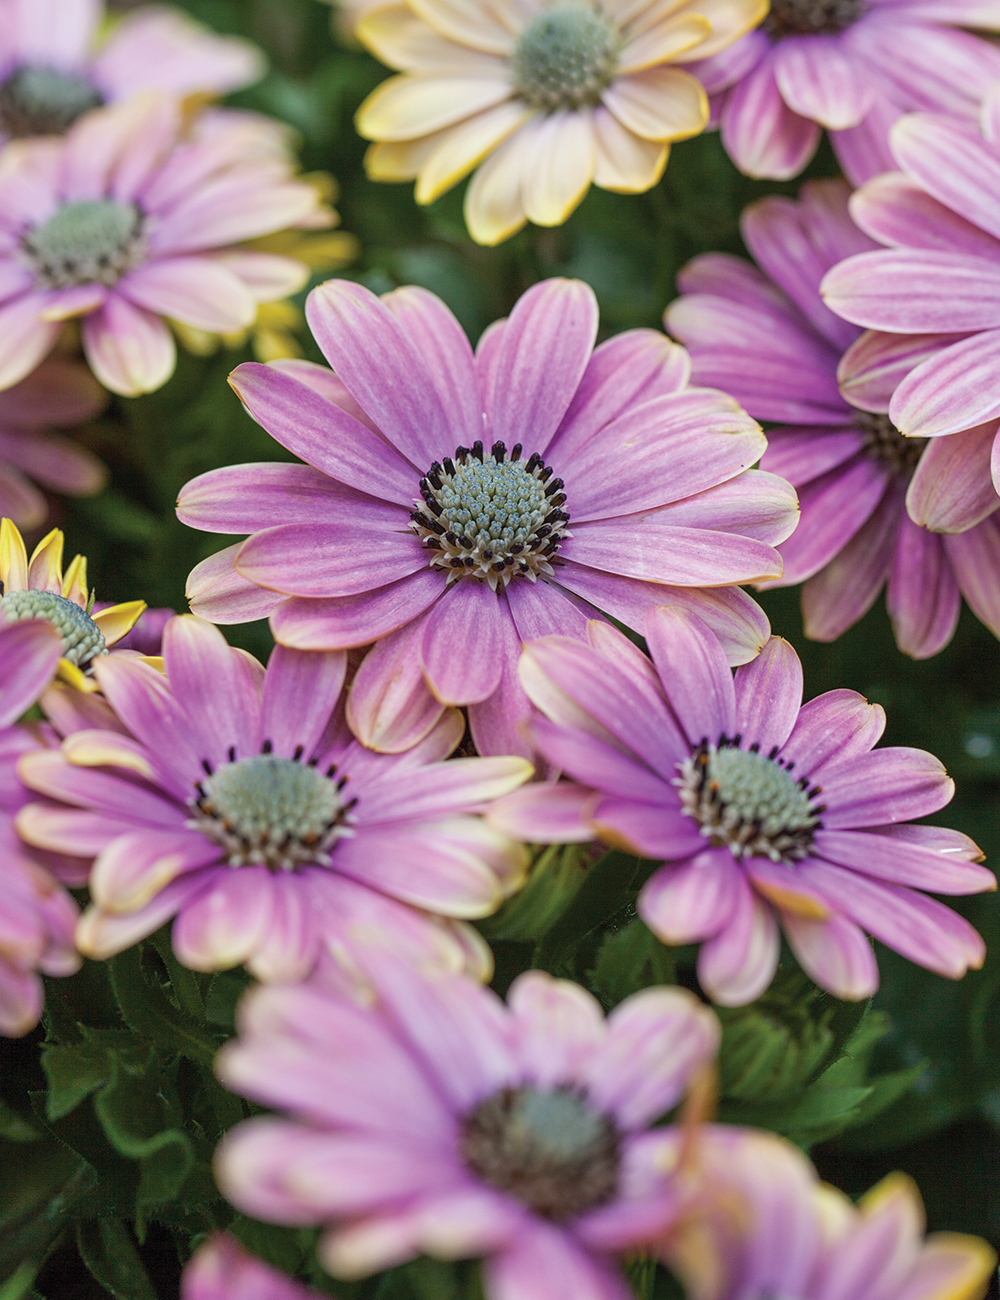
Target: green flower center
749,802
44,101
566,56
94,242
83,640
812,17
884,443
491,517
551,1150
272,812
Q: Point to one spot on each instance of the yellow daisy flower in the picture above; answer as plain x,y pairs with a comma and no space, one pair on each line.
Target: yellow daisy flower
38,588
552,94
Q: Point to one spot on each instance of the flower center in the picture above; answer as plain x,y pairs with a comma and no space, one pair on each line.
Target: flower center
272,812
44,101
548,1149
94,242
493,517
749,802
82,638
566,56
884,442
812,17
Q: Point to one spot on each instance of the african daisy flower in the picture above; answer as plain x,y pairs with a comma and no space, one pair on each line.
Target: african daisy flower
242,806
868,496
38,588
124,221
852,66
443,1122
37,916
762,809
53,69
220,1269
762,1225
553,94
59,392
449,498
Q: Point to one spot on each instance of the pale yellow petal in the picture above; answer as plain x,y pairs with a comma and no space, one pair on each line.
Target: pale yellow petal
13,558
659,104
74,586
401,39
45,567
955,1266
82,303
409,106
466,145
119,620
625,162
560,168
664,41
649,14
105,749
730,20
493,207
401,160
489,25
72,676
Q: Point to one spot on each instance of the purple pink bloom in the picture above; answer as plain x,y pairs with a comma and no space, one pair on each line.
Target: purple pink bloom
762,1225
37,916
453,506
59,392
53,69
853,67
220,1269
240,805
126,220
869,496
441,1121
763,810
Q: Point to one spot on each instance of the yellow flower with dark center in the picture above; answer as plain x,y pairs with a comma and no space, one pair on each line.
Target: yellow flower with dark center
544,97
39,588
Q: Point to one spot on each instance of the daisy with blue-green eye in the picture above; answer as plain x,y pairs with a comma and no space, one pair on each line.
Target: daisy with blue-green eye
39,588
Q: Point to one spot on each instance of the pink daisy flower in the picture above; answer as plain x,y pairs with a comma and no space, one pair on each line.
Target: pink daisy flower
220,1269
59,392
241,805
37,916
763,1225
124,221
762,809
869,496
53,70
451,499
852,66
443,1122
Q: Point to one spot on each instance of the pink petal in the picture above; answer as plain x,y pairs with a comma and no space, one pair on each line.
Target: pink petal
769,695
694,901
588,760
551,812
300,691
193,290
760,133
834,727
974,556
54,34
143,701
916,291
863,151
165,49
694,673
129,349
558,1027
923,598
897,212
649,548
338,624
244,498
872,368
390,707
29,655
835,953
951,163
215,591
952,489
543,1262
950,391
468,613
817,79
360,551
902,863
887,785
223,926
214,688
736,965
134,868
649,830
835,507
25,338
802,454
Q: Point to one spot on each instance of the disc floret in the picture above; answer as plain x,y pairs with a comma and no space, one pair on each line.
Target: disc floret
749,802
491,517
813,17
550,1149
566,56
270,811
91,242
83,640
38,100
884,443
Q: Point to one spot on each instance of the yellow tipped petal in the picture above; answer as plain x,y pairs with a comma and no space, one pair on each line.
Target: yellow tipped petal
661,103
956,1267
730,19
466,145
493,207
625,162
155,661
75,582
13,558
409,106
560,168
72,676
45,567
665,41
790,900
119,620
103,749
401,160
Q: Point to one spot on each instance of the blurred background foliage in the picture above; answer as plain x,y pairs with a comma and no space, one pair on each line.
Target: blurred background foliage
915,1084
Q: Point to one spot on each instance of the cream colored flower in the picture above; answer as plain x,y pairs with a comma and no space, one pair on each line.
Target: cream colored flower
552,94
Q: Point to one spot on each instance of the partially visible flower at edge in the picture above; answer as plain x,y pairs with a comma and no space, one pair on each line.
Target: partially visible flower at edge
62,392
869,497
853,67
518,1132
127,220
543,99
39,588
762,809
220,1269
500,496
760,1224
239,804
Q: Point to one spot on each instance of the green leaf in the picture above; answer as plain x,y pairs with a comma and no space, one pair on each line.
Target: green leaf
611,885
73,1072
553,883
21,1284
107,1248
628,960
151,1014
